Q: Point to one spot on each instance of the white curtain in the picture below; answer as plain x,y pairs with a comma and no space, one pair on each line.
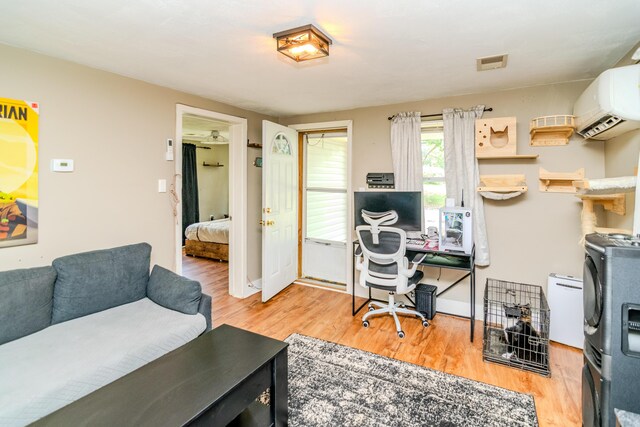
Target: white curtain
461,171
406,151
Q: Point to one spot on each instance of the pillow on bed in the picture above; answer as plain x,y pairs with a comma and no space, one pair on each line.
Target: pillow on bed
173,291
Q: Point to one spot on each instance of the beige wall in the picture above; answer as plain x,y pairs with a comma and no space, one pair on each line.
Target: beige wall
115,129
621,159
530,236
213,182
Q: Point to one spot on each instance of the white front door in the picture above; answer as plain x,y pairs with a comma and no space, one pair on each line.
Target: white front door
279,208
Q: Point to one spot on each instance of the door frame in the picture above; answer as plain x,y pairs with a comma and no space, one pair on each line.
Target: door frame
238,286
339,124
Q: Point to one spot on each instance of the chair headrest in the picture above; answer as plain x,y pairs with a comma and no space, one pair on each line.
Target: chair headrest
378,219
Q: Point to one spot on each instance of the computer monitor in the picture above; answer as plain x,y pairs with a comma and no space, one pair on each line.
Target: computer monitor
408,205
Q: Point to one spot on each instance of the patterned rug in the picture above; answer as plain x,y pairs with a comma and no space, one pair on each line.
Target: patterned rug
334,385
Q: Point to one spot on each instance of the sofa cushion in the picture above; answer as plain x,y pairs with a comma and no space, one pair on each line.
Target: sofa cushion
173,291
25,301
94,281
47,370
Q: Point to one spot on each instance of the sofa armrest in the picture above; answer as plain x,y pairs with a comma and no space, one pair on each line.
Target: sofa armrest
205,309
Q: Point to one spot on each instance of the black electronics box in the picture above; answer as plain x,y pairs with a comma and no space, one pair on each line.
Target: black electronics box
380,180
426,299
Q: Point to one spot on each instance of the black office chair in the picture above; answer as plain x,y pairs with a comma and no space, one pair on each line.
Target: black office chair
383,265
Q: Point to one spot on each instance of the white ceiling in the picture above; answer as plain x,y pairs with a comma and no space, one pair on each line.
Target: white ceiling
384,51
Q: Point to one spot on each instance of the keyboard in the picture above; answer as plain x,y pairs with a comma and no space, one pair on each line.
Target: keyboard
415,243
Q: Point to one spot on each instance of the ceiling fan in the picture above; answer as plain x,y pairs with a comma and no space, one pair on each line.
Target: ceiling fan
215,138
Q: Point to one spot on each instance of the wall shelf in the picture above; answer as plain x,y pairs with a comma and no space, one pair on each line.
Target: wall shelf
254,145
551,130
210,165
502,183
495,137
513,157
559,182
610,202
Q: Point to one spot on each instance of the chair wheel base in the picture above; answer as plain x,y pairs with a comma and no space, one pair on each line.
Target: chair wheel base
400,334
425,323
365,323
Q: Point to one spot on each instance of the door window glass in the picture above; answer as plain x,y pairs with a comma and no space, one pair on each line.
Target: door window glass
281,144
326,187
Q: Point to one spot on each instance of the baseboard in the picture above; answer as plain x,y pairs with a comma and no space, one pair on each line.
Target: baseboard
457,308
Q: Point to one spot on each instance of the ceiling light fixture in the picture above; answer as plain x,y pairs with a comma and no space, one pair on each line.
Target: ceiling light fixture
303,43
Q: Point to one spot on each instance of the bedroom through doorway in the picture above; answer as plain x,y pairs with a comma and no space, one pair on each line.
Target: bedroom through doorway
209,189
205,188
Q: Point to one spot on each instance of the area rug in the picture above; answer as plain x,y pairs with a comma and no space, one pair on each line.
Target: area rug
334,385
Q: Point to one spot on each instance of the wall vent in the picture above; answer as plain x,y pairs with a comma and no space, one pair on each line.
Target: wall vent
491,62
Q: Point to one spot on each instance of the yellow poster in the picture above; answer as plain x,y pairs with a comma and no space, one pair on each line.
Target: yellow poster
18,172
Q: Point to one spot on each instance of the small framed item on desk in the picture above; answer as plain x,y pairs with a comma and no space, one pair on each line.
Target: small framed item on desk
456,231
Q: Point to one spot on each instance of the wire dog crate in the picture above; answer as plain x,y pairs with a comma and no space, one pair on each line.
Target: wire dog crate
516,326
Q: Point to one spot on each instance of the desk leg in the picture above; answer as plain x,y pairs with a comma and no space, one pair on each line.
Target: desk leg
279,393
473,301
353,288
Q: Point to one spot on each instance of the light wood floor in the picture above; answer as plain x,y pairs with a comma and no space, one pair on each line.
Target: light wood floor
443,346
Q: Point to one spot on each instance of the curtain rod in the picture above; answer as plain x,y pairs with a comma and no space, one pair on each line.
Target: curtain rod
203,148
436,115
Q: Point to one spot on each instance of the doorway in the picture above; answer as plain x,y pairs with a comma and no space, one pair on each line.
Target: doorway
325,205
221,138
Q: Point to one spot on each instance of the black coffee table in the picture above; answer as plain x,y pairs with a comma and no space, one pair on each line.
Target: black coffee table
213,380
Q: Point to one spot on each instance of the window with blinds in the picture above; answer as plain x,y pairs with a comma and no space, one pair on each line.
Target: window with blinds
326,187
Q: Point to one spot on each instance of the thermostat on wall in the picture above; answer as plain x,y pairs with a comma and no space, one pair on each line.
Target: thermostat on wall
62,165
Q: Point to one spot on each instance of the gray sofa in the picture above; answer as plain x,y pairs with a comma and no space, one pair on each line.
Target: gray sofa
90,318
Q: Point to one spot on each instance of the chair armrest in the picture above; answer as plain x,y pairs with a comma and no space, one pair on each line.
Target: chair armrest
420,256
205,309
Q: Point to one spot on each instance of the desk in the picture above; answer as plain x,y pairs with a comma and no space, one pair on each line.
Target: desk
441,259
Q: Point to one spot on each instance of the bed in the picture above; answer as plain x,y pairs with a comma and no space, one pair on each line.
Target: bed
209,239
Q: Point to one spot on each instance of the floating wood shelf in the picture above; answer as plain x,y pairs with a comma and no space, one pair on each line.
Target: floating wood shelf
559,182
551,130
502,183
513,157
610,202
209,165
254,145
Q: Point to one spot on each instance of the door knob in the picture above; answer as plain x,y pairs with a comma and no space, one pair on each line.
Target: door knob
261,222
270,222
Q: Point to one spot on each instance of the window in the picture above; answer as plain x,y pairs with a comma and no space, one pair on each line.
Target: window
433,184
326,187
281,144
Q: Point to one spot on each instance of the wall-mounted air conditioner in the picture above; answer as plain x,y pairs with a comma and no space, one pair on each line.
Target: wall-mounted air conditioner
610,106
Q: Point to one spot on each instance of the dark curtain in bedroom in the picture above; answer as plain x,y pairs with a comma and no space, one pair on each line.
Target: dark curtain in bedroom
190,202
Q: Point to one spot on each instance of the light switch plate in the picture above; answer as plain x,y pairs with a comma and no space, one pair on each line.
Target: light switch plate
162,186
61,165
